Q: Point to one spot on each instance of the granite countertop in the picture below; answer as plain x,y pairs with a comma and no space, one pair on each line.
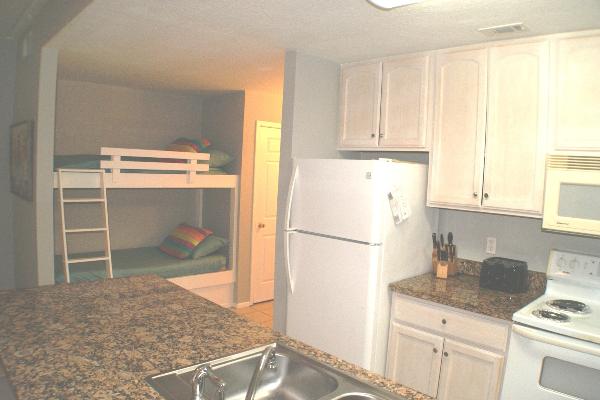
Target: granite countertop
101,339
462,291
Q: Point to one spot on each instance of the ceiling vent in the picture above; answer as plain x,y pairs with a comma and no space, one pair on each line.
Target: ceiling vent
503,29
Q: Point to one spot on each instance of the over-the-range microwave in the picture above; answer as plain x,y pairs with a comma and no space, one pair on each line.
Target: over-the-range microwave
572,194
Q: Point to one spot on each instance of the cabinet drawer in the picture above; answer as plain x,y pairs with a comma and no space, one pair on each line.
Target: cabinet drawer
451,323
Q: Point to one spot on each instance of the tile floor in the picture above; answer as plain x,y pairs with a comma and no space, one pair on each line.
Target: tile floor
261,313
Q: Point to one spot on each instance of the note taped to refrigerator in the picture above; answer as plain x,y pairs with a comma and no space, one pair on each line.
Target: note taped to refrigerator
399,206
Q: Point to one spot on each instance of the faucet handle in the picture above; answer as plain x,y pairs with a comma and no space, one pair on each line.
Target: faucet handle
198,382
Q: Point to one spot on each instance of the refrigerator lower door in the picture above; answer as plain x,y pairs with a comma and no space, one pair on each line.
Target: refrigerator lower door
332,306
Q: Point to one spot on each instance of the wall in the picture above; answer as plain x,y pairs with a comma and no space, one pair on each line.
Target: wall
90,115
8,62
258,106
223,124
309,130
34,100
516,237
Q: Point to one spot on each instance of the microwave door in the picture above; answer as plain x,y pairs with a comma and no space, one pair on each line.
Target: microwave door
571,201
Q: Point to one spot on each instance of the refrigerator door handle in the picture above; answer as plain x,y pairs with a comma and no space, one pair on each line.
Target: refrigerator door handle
288,265
288,210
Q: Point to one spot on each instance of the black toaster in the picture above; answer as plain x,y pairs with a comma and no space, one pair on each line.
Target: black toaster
504,274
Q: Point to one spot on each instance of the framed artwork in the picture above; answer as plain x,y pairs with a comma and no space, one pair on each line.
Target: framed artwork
21,159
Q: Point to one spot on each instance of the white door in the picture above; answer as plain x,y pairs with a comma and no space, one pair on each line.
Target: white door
516,128
414,358
456,171
404,103
264,210
469,373
575,119
332,295
337,198
360,98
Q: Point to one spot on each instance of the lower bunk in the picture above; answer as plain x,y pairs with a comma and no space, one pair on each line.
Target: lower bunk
206,276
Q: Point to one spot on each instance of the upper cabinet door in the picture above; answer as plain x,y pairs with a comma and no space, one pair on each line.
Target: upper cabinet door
405,101
516,135
456,165
575,100
360,99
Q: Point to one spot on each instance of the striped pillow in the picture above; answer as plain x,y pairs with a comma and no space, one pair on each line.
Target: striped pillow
189,145
183,240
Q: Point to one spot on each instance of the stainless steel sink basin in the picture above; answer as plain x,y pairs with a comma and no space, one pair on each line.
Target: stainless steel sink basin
295,377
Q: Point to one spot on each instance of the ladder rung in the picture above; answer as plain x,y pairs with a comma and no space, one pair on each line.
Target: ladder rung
99,200
83,260
83,230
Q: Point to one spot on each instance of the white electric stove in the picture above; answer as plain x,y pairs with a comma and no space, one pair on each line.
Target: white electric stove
554,350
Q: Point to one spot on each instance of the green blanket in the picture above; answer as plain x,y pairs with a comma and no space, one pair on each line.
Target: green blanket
140,261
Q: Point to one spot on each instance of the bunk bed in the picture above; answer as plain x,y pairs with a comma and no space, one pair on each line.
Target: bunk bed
213,276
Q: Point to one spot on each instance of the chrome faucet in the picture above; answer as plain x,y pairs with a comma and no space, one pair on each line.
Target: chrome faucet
199,379
267,360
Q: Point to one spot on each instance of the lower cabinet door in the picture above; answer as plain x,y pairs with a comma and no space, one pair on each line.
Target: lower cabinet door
414,358
469,373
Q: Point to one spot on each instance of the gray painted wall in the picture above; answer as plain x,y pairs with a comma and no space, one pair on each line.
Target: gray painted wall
309,130
8,63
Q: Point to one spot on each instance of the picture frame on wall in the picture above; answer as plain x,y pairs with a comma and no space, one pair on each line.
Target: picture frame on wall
22,159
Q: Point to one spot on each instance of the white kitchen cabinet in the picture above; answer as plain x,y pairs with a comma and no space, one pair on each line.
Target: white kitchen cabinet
469,373
456,160
360,99
444,352
405,103
517,120
385,106
490,130
415,358
574,102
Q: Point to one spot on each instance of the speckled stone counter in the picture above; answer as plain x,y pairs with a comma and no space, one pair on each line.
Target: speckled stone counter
463,292
101,339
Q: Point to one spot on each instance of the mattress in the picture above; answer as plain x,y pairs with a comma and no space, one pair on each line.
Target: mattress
139,261
92,161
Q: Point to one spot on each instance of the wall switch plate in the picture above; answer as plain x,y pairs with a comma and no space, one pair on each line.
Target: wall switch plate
490,245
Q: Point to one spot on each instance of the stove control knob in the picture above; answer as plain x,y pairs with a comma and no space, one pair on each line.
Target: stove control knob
574,264
562,263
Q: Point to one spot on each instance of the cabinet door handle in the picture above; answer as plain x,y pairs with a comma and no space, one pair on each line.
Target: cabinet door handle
444,321
485,195
475,194
372,135
435,350
445,354
261,225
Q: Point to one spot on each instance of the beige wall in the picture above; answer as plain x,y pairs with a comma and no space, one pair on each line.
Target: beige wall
259,106
91,115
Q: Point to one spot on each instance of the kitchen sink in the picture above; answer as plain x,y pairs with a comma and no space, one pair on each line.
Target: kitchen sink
293,376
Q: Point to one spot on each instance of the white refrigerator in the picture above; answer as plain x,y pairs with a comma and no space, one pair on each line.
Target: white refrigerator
343,247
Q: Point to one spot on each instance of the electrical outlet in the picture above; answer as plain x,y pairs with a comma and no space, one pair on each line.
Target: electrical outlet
490,245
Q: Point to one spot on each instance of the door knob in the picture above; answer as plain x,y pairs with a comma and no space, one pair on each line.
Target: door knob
261,225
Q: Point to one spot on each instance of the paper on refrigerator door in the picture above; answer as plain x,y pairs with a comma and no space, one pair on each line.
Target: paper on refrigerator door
399,206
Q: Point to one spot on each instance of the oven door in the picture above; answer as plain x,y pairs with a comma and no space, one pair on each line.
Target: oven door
548,366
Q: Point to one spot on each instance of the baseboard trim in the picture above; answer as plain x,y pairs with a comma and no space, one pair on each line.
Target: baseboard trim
243,304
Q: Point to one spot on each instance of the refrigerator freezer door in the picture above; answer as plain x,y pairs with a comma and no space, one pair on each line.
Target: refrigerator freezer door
333,303
337,198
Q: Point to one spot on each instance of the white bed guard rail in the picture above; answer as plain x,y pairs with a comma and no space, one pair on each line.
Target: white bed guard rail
158,160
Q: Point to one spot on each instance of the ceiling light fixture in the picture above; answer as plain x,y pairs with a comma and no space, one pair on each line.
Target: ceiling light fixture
389,4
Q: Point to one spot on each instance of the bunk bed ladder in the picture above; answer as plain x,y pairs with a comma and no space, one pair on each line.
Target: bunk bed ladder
67,231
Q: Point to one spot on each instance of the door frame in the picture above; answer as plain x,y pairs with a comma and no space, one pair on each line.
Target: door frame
259,124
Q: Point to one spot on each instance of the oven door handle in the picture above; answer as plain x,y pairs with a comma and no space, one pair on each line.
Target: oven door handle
534,334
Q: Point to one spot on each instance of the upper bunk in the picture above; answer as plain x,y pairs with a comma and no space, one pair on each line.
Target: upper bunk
140,168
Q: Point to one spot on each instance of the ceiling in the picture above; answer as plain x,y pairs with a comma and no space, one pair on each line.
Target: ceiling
239,44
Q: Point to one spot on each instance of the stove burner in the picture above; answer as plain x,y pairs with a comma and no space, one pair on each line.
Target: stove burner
572,306
551,315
